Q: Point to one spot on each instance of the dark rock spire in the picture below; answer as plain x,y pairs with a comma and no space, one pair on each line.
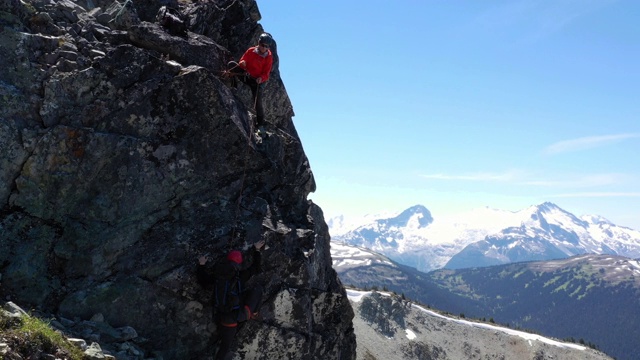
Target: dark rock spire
126,155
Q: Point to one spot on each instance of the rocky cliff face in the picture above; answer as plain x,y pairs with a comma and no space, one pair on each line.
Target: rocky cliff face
126,155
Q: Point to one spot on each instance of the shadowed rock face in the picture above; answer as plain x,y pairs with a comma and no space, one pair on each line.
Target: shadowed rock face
126,155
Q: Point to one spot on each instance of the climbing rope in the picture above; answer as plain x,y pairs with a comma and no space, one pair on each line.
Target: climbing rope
228,72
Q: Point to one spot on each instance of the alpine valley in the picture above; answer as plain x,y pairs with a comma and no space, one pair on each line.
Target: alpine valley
589,299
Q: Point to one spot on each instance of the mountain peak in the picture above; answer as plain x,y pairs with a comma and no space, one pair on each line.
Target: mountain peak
548,206
418,213
596,219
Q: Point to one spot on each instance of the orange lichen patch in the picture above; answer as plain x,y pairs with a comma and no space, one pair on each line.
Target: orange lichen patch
74,142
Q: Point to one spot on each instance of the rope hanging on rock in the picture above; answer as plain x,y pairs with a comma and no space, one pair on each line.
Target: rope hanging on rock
244,173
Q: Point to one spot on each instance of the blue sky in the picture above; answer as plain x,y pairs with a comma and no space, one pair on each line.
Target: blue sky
462,104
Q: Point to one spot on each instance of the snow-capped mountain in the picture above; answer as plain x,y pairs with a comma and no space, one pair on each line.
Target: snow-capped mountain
345,257
488,237
364,268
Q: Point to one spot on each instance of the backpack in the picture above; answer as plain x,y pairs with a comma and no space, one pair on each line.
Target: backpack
226,293
172,20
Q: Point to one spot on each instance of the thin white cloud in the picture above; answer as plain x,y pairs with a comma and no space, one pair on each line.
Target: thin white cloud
493,177
588,142
597,194
517,177
557,15
585,181
532,20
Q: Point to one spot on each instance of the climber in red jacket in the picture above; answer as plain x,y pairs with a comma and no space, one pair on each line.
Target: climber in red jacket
234,300
253,69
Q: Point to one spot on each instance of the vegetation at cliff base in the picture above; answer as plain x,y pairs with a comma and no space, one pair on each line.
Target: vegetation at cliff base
27,336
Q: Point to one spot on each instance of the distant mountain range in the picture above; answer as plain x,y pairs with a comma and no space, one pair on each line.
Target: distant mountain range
485,237
585,284
591,297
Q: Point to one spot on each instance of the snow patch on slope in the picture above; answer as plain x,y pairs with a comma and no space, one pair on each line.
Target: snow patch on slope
357,296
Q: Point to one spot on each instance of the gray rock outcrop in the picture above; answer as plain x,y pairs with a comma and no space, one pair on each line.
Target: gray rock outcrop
389,327
127,154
